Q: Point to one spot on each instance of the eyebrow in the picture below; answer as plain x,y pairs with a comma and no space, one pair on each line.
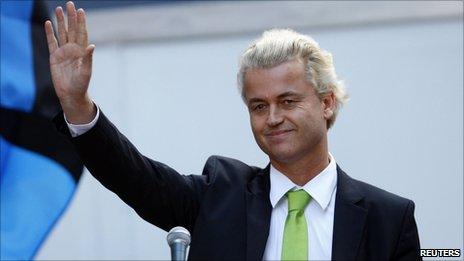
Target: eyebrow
281,96
253,100
289,93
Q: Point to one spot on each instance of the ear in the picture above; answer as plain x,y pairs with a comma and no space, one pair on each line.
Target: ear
328,104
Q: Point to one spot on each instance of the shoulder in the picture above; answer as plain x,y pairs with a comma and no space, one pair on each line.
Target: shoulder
229,168
375,194
227,175
373,197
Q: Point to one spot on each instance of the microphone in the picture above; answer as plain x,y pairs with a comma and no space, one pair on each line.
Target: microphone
178,239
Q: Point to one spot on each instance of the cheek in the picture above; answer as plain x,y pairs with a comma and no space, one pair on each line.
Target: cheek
257,125
254,124
306,119
313,112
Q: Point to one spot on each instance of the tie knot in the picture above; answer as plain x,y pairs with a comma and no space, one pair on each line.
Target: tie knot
297,200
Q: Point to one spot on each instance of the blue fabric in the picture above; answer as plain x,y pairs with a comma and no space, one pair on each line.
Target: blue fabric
17,66
34,192
34,189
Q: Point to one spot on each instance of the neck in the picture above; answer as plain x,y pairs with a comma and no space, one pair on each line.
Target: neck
302,170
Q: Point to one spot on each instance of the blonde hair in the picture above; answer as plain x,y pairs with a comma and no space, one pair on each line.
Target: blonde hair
277,46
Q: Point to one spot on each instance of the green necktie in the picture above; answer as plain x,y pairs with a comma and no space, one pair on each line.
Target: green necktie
295,241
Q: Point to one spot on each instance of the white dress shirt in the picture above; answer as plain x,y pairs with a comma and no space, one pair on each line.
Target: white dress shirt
319,213
78,129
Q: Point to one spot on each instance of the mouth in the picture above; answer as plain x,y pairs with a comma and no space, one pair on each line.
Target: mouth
278,133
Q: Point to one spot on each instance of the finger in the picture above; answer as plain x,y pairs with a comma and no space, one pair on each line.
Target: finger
62,32
51,40
81,28
72,21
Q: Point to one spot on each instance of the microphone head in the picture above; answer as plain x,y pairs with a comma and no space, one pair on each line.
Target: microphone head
177,234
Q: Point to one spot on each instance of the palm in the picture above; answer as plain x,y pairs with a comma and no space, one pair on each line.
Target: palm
70,75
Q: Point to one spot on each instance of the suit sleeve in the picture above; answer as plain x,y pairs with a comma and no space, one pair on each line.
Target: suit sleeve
158,193
408,245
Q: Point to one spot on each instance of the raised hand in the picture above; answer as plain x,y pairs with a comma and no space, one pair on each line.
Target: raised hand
71,64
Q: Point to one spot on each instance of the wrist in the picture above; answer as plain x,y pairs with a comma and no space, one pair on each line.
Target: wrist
80,111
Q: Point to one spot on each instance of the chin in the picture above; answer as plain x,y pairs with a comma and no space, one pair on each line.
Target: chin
282,156
281,152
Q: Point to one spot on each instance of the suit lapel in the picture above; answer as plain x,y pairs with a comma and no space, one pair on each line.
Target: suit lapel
258,214
349,219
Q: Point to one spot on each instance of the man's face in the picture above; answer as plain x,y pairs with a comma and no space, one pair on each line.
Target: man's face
288,120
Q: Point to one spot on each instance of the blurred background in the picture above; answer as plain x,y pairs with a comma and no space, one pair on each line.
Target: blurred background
165,74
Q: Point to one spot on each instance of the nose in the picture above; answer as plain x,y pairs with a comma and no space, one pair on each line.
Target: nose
275,116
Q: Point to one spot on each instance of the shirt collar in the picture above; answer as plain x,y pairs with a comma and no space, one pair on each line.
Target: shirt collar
320,187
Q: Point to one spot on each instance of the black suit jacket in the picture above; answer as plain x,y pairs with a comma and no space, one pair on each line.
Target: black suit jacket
227,208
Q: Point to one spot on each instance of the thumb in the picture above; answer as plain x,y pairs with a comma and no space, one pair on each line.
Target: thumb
89,54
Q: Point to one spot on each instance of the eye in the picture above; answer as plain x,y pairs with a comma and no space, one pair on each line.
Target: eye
289,103
259,107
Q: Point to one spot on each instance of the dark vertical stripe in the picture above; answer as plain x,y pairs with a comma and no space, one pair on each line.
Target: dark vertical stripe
46,102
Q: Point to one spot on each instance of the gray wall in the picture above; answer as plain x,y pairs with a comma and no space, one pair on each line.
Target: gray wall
176,100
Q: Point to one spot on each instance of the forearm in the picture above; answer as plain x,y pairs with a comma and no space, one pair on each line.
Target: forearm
158,193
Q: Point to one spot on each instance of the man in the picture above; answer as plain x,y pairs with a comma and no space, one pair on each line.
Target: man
301,206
